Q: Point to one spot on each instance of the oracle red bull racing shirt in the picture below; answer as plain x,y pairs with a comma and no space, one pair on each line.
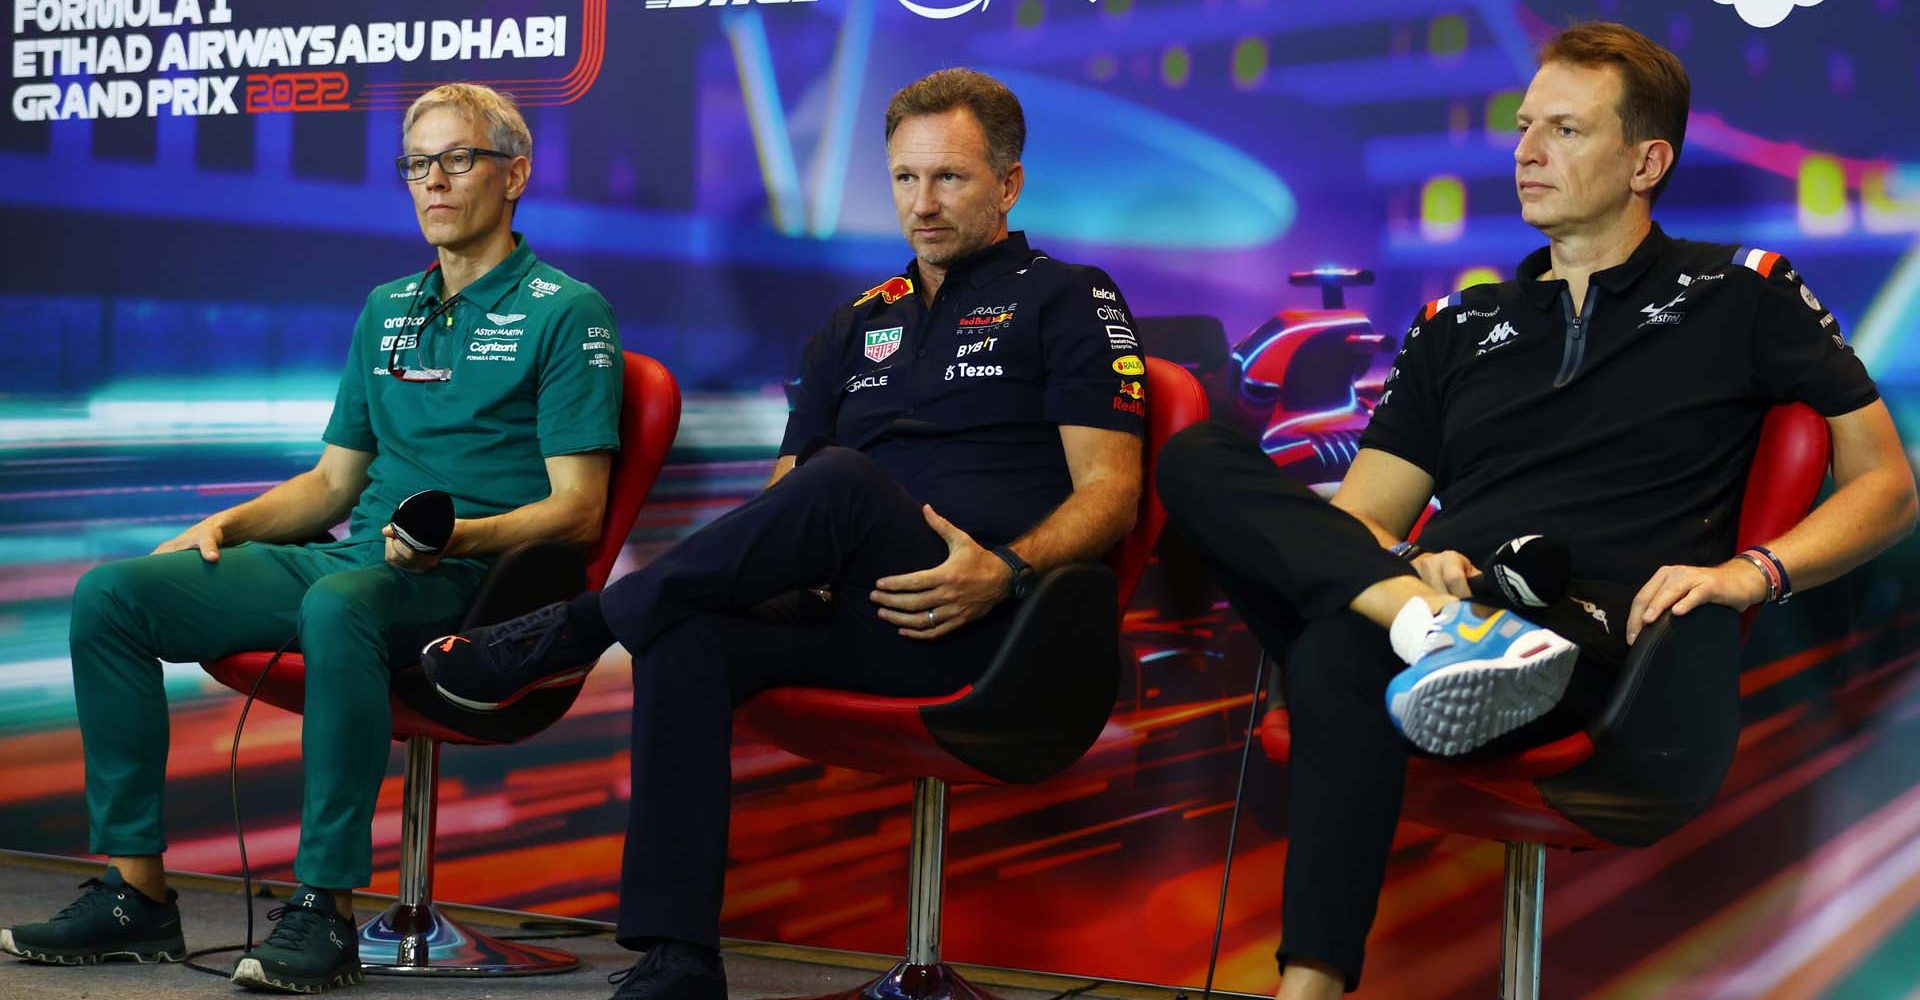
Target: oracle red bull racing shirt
961,400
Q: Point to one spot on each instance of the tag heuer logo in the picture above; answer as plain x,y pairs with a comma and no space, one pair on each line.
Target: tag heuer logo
502,319
882,343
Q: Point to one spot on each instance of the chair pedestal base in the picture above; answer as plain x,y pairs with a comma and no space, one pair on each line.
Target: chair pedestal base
422,941
907,981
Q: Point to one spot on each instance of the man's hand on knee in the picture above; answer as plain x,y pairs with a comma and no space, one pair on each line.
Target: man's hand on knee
1735,583
205,536
932,602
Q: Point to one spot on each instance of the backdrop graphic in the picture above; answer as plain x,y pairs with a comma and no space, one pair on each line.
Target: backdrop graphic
196,197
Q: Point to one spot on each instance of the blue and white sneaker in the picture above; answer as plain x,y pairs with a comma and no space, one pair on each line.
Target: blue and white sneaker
1472,679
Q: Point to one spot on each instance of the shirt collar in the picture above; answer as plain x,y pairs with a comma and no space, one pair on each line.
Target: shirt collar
1617,280
493,287
986,264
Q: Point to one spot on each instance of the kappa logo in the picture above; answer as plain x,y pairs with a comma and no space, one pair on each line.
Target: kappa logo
542,288
504,319
890,291
1663,315
1498,337
882,343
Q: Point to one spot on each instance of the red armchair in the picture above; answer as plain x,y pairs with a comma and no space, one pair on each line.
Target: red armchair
1655,755
1035,711
413,937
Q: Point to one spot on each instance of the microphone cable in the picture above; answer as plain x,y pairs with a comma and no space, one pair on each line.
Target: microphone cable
1233,824
239,828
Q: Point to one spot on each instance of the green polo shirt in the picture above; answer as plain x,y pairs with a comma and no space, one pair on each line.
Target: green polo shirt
534,369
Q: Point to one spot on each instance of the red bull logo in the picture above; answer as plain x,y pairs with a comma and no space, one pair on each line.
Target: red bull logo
1133,390
890,291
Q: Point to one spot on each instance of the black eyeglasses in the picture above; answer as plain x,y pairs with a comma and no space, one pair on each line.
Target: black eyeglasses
458,160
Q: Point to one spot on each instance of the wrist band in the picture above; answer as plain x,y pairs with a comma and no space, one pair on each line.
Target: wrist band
1779,587
1766,570
1779,570
1407,551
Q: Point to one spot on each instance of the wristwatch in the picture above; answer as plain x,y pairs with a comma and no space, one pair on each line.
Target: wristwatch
1022,583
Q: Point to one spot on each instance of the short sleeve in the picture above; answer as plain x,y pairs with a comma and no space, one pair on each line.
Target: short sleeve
1798,351
350,425
1406,421
581,380
1095,373
811,398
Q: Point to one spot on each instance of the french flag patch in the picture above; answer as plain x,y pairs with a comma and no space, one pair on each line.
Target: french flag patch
1437,306
1757,259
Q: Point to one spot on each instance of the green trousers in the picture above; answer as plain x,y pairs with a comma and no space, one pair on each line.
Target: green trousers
354,616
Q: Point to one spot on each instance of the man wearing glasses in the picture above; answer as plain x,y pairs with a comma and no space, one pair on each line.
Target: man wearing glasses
490,376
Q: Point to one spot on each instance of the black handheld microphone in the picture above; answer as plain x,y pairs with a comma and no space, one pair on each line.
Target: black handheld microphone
424,521
1531,571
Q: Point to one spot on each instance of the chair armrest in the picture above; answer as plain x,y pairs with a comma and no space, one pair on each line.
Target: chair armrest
1049,690
525,578
1664,741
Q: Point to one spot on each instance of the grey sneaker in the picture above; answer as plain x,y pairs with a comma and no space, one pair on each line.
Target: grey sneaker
111,920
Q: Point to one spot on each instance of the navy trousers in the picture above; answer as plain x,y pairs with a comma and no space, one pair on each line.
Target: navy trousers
712,621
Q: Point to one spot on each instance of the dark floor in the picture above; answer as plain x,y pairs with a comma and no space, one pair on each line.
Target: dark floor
34,888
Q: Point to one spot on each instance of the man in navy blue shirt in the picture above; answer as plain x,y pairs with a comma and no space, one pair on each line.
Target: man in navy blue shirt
956,428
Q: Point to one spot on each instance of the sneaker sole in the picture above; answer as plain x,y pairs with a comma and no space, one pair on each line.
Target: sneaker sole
248,972
1465,706
558,680
474,705
151,953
